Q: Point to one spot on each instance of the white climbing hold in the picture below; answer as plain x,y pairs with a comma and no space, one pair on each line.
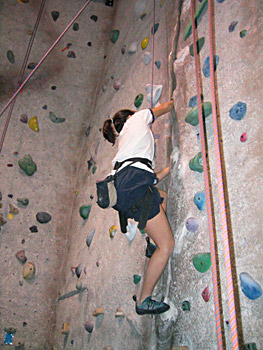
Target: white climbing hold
157,91
147,57
139,7
131,228
133,47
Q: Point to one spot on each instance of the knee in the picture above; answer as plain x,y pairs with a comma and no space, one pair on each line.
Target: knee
168,247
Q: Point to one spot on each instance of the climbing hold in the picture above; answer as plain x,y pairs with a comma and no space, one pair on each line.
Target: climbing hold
193,101
75,27
89,326
157,91
250,346
89,43
150,249
33,229
112,231
191,224
144,43
238,111
200,44
23,201
196,163
29,270
84,211
232,26
23,118
119,313
23,1
10,56
114,35
199,200
123,49
43,217
243,137
94,169
71,54
27,164
13,210
202,262
90,237
55,15
9,338
249,286
33,124
133,48
147,57
87,132
65,328
117,85
78,270
142,231
19,343
21,256
94,18
198,15
186,306
143,16
139,7
155,28
206,65
131,230
192,116
136,279
206,294
79,285
158,64
32,65
220,1
98,311
55,119
243,33
107,347
91,162
138,100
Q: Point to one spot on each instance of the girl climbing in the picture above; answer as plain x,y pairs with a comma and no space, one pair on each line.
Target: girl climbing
137,197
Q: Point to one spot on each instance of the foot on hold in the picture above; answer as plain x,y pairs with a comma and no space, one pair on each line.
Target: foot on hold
150,306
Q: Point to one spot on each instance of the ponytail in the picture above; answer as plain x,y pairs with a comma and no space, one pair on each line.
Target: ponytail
112,127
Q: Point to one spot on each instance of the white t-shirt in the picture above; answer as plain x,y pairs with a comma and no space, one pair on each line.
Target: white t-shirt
136,139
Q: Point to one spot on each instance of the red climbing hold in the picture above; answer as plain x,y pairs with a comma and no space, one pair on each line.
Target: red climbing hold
206,294
243,137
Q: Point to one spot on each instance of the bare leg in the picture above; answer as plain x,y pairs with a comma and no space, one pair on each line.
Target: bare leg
164,196
159,230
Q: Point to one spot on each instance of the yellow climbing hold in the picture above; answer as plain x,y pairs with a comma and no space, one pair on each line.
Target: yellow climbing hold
144,43
10,216
33,124
112,231
23,1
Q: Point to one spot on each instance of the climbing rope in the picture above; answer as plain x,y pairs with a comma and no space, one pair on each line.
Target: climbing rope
207,187
39,63
22,71
152,52
221,190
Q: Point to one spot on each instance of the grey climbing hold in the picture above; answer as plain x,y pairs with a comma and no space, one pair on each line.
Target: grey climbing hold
32,65
133,48
156,93
87,132
23,201
90,237
147,58
71,54
10,56
24,118
123,49
78,270
139,7
75,27
55,119
43,217
89,326
33,229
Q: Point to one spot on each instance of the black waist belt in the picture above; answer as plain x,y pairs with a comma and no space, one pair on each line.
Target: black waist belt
134,160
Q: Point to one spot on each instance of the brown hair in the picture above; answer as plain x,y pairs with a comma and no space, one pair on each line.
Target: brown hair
109,131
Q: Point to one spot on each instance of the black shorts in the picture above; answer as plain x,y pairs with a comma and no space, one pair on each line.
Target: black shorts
131,185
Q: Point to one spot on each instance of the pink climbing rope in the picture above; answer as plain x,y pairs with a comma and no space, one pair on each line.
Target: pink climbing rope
152,53
43,58
207,187
22,71
221,191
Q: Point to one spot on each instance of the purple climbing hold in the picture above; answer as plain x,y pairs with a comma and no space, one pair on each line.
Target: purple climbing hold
191,224
232,26
238,111
71,54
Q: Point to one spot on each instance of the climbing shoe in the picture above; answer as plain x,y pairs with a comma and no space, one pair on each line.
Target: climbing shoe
150,306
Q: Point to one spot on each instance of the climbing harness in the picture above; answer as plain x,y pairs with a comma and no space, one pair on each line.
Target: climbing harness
221,190
39,63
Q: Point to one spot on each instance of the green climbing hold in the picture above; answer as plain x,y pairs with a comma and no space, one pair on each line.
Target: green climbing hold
200,44
84,211
202,262
250,346
23,201
196,164
200,11
10,56
192,116
27,164
94,169
138,100
114,35
136,279
242,34
186,306
55,119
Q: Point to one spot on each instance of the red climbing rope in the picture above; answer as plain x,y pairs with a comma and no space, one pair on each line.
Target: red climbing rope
22,71
207,187
152,53
41,61
221,191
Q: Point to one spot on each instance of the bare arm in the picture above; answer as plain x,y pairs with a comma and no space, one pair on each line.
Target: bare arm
161,174
163,108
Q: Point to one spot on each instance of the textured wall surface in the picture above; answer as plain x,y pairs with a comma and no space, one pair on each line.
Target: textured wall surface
70,160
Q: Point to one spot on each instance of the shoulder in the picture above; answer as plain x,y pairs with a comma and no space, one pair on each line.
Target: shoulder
145,114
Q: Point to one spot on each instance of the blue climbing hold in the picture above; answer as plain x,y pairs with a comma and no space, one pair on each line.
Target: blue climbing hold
206,65
191,225
232,26
220,1
238,111
199,200
249,286
158,64
155,28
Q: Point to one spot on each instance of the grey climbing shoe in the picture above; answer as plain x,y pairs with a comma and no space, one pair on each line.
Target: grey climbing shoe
152,307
